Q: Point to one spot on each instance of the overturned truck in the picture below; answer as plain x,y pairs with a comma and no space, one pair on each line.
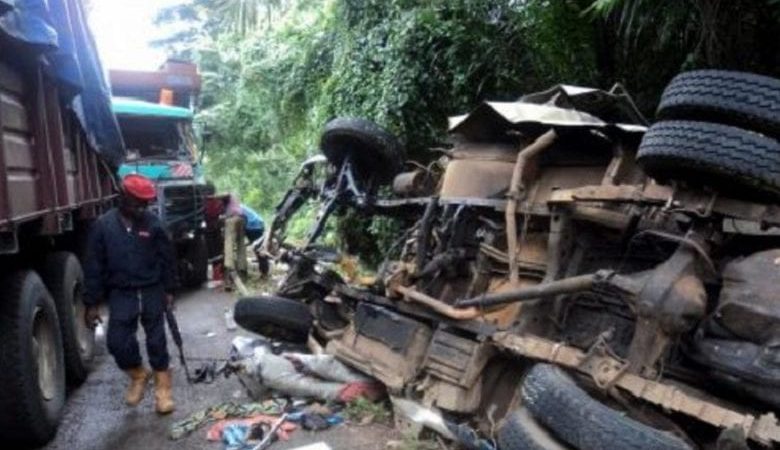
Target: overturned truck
568,278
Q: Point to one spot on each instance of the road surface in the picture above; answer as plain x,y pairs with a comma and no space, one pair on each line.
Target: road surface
96,417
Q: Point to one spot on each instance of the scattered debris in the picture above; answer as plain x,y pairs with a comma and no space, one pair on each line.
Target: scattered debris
224,411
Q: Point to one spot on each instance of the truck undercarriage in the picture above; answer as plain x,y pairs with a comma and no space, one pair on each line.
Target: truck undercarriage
566,278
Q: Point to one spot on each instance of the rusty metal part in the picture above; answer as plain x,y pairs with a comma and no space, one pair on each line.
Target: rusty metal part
517,190
410,183
749,302
470,178
571,285
389,346
457,359
768,215
424,233
671,301
437,305
608,371
451,397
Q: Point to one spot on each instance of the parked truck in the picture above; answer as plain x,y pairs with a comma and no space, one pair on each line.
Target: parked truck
154,110
161,146
59,148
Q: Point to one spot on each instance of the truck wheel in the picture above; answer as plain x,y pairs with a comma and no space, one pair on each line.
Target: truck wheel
197,256
521,431
32,361
567,411
274,317
717,155
374,150
741,99
62,274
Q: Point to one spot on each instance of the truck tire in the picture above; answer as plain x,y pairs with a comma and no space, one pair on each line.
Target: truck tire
741,99
569,413
197,255
520,431
274,317
712,154
62,274
32,361
374,151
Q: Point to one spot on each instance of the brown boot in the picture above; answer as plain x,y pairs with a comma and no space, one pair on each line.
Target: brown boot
139,376
162,392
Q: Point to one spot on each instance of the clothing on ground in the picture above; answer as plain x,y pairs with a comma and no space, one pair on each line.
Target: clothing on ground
222,411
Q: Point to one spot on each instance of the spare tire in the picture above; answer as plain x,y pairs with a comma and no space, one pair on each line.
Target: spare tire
720,156
274,317
572,415
520,431
741,99
374,151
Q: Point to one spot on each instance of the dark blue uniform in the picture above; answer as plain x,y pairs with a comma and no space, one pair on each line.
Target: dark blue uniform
133,268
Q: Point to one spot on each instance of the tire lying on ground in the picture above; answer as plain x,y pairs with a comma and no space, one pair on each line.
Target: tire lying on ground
274,317
742,99
373,150
32,362
520,431
726,157
555,400
64,278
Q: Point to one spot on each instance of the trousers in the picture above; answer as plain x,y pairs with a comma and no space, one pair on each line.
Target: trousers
126,307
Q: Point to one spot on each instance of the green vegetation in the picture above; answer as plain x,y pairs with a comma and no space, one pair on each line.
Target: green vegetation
364,411
276,70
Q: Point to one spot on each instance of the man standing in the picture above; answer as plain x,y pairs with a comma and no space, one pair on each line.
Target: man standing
130,264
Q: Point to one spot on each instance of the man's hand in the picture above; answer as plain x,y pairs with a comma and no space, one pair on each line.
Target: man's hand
169,302
92,316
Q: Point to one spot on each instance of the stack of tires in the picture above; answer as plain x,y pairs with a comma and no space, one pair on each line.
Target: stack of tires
717,129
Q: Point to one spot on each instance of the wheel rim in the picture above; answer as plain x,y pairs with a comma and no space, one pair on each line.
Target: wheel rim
85,336
44,346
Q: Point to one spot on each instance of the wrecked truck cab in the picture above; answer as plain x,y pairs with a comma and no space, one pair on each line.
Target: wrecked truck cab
550,270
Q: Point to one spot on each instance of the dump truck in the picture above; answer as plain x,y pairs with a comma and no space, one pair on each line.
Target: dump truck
568,275
161,145
59,150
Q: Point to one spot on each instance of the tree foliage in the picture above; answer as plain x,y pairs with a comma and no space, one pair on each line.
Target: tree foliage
409,64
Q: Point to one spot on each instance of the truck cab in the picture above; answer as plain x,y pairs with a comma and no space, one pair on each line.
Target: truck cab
161,145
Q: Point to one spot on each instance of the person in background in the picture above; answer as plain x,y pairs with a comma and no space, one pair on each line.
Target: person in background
235,242
130,265
254,226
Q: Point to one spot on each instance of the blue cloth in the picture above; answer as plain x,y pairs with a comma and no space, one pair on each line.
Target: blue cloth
253,220
57,31
125,308
122,259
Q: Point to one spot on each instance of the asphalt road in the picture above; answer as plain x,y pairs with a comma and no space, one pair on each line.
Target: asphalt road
96,417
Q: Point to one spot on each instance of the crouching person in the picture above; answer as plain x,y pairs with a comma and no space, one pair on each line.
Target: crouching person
130,265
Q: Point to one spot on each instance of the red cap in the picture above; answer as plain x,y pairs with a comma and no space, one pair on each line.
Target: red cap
139,187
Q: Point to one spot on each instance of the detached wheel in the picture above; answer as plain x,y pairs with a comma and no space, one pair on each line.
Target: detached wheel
742,99
274,317
32,361
62,274
374,151
521,431
728,158
583,422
